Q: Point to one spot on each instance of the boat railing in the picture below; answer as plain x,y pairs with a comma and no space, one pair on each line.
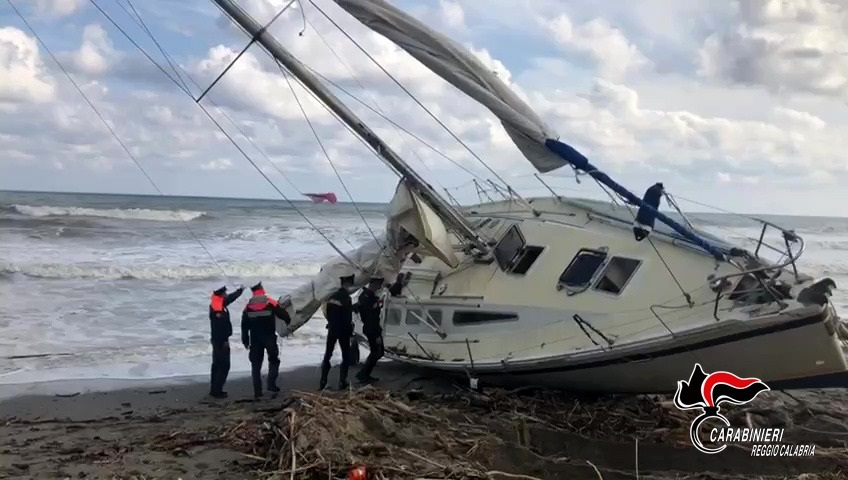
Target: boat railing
764,272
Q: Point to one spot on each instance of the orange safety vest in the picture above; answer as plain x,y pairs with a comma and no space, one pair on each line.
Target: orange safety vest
251,305
217,303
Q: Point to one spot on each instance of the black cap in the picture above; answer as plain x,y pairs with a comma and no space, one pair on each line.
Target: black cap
346,280
256,287
375,280
221,290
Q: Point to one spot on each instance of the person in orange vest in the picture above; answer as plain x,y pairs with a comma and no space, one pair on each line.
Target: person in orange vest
221,328
259,335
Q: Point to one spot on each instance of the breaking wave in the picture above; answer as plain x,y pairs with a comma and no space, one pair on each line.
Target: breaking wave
155,272
116,213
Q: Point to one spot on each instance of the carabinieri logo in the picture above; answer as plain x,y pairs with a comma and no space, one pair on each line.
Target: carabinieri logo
708,392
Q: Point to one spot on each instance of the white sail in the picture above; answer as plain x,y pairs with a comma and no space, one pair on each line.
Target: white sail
408,217
461,68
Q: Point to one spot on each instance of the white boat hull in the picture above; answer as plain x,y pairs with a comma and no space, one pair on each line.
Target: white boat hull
768,350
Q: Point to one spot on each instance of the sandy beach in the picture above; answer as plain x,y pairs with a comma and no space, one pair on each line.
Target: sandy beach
173,430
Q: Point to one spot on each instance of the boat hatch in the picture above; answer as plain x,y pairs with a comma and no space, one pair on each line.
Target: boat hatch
514,255
471,317
617,274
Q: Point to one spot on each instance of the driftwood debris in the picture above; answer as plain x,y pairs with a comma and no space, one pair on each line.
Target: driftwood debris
460,435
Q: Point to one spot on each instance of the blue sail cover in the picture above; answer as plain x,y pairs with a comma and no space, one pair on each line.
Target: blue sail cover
576,159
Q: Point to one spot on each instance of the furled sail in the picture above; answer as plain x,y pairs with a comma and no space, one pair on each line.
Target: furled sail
461,68
412,226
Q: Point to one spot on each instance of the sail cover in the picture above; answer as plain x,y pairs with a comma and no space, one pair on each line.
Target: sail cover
462,69
411,227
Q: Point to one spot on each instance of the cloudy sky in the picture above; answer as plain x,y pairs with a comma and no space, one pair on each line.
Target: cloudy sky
739,104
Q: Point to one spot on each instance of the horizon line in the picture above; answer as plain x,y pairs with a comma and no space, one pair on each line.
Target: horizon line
283,200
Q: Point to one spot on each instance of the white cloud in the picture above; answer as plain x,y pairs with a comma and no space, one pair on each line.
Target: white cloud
23,77
452,14
59,8
785,46
95,53
635,122
605,44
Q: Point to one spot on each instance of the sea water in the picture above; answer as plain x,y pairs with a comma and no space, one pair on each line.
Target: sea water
109,286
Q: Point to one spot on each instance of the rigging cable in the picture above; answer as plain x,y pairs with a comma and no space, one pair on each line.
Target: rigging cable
140,21
237,146
327,155
413,97
115,135
392,122
686,294
361,86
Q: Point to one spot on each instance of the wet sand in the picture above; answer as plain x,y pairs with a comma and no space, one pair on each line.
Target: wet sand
174,430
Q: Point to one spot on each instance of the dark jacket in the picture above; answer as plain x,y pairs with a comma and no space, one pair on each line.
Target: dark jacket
219,321
258,318
368,305
340,313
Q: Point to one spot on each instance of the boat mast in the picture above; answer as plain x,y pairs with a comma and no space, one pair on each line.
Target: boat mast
445,211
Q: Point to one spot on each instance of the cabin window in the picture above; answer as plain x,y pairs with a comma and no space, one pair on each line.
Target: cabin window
578,274
474,317
513,254
414,316
393,316
526,259
617,273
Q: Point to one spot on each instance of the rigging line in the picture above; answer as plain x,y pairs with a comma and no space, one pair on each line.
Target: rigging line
115,135
729,212
327,155
397,82
396,125
364,90
150,34
253,39
667,267
143,51
141,22
274,186
238,147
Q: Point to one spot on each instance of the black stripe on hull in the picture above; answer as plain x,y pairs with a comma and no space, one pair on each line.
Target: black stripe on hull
692,347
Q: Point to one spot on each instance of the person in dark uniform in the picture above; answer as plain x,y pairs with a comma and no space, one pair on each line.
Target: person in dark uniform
339,329
369,305
221,328
259,334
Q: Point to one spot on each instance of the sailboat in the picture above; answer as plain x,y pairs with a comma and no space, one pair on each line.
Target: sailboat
557,291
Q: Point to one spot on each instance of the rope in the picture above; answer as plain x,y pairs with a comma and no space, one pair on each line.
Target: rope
399,84
117,138
235,144
143,24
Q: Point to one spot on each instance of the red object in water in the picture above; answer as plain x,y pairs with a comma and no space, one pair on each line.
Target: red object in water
357,472
328,197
